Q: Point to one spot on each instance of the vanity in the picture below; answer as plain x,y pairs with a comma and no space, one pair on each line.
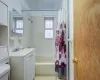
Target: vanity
23,64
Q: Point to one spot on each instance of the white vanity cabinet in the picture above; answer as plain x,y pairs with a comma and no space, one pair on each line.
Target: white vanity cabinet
23,64
3,14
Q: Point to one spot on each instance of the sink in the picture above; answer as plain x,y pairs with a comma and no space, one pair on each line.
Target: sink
15,50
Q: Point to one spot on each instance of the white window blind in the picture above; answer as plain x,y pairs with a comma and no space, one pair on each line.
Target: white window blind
19,24
49,28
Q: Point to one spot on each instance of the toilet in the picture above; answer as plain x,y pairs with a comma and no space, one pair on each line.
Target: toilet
4,66
4,70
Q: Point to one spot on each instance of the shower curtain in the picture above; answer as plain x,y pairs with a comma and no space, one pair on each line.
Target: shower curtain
60,44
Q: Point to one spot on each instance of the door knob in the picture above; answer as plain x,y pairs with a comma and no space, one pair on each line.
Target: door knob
75,60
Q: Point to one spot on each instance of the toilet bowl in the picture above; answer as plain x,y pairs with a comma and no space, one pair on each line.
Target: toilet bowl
4,70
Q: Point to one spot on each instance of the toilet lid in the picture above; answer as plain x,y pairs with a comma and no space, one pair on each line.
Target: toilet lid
4,69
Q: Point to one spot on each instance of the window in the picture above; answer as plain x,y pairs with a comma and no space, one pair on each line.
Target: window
49,28
18,25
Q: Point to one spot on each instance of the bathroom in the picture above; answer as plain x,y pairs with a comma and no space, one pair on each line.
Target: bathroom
28,36
49,39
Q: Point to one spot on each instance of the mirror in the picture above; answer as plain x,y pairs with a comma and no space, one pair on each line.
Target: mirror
16,29
17,24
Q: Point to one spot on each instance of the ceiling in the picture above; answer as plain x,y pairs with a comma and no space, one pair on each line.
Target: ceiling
44,4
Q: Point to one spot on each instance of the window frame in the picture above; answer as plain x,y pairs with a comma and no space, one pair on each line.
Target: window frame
49,18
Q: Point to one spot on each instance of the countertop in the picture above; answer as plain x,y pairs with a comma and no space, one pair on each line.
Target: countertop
21,53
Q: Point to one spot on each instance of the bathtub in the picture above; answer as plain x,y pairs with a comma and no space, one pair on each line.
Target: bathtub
45,67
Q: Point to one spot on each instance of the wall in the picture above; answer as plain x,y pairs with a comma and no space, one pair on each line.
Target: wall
3,36
27,34
44,13
44,47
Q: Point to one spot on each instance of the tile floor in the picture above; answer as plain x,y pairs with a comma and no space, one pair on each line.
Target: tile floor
46,78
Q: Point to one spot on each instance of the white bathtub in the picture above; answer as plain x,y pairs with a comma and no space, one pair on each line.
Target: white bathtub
45,63
44,68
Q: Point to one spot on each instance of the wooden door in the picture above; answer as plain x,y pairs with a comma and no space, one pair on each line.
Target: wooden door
87,39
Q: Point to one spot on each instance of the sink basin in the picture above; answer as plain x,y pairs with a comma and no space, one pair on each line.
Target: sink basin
15,50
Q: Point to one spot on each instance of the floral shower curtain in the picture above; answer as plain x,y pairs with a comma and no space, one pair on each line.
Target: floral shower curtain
60,44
